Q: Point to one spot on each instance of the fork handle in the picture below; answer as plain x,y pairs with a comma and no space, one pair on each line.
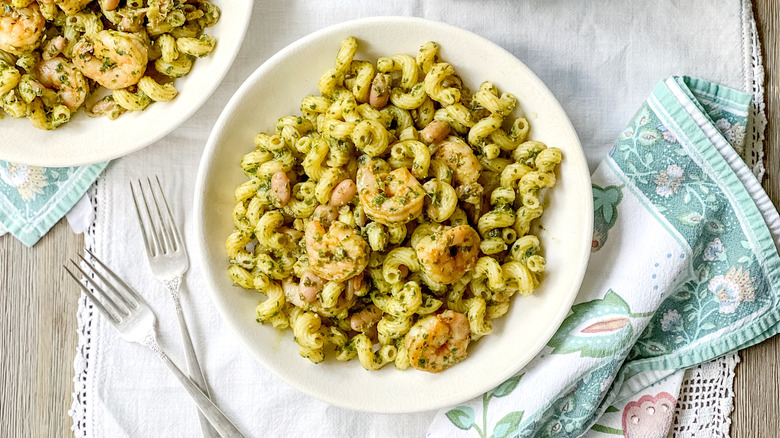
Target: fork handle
193,366
218,419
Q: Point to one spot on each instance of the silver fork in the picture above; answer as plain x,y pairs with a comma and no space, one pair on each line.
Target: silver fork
168,260
129,314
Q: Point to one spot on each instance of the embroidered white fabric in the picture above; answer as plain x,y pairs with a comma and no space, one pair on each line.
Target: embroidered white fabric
753,153
706,396
706,400
81,216
78,407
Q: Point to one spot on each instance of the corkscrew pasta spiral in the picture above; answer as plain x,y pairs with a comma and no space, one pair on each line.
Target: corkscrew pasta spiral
390,222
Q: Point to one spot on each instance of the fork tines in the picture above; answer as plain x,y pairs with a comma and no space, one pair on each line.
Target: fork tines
116,300
157,224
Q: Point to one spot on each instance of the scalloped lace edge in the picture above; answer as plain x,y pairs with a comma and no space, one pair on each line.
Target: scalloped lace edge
706,395
79,404
706,398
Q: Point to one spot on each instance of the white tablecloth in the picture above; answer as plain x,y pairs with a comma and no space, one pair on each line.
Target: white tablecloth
599,58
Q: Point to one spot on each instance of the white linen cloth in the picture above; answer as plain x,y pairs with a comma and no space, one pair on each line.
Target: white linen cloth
671,281
599,58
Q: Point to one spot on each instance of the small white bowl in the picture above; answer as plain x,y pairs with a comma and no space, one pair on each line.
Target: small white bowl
84,140
274,90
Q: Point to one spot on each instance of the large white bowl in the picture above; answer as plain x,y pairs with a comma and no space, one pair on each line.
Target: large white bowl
85,140
275,90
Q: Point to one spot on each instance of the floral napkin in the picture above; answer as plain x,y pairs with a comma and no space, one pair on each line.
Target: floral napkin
33,199
684,269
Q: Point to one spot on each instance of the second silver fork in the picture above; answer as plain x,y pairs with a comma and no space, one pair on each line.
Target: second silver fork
167,255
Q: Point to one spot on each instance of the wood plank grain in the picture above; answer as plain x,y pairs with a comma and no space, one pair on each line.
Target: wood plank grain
38,339
757,380
38,311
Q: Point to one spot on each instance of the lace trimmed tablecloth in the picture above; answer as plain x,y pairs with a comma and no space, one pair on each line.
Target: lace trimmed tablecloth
706,396
707,393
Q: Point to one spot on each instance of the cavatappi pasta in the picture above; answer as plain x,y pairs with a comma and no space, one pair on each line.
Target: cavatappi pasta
390,221
57,54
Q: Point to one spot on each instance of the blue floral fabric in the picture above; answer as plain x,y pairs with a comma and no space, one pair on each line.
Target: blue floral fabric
684,269
33,199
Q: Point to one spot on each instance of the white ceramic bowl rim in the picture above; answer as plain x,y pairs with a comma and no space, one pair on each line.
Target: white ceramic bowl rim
327,380
84,140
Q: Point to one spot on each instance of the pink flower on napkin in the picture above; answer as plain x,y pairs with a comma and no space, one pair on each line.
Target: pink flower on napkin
649,417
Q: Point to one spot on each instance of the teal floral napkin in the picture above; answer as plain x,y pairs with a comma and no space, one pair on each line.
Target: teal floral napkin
33,199
684,269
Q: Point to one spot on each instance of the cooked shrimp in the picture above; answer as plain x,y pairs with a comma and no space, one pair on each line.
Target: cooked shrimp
337,254
390,198
20,28
459,157
114,59
59,73
53,47
448,253
325,214
438,342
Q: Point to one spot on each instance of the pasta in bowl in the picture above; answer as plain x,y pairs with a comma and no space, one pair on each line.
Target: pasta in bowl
46,74
388,216
83,81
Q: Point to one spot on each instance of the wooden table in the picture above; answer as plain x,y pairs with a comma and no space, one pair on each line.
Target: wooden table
757,381
38,340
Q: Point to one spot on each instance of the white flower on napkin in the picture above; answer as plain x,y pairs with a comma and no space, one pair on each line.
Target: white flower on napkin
668,181
672,321
668,135
29,181
734,133
731,289
714,251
